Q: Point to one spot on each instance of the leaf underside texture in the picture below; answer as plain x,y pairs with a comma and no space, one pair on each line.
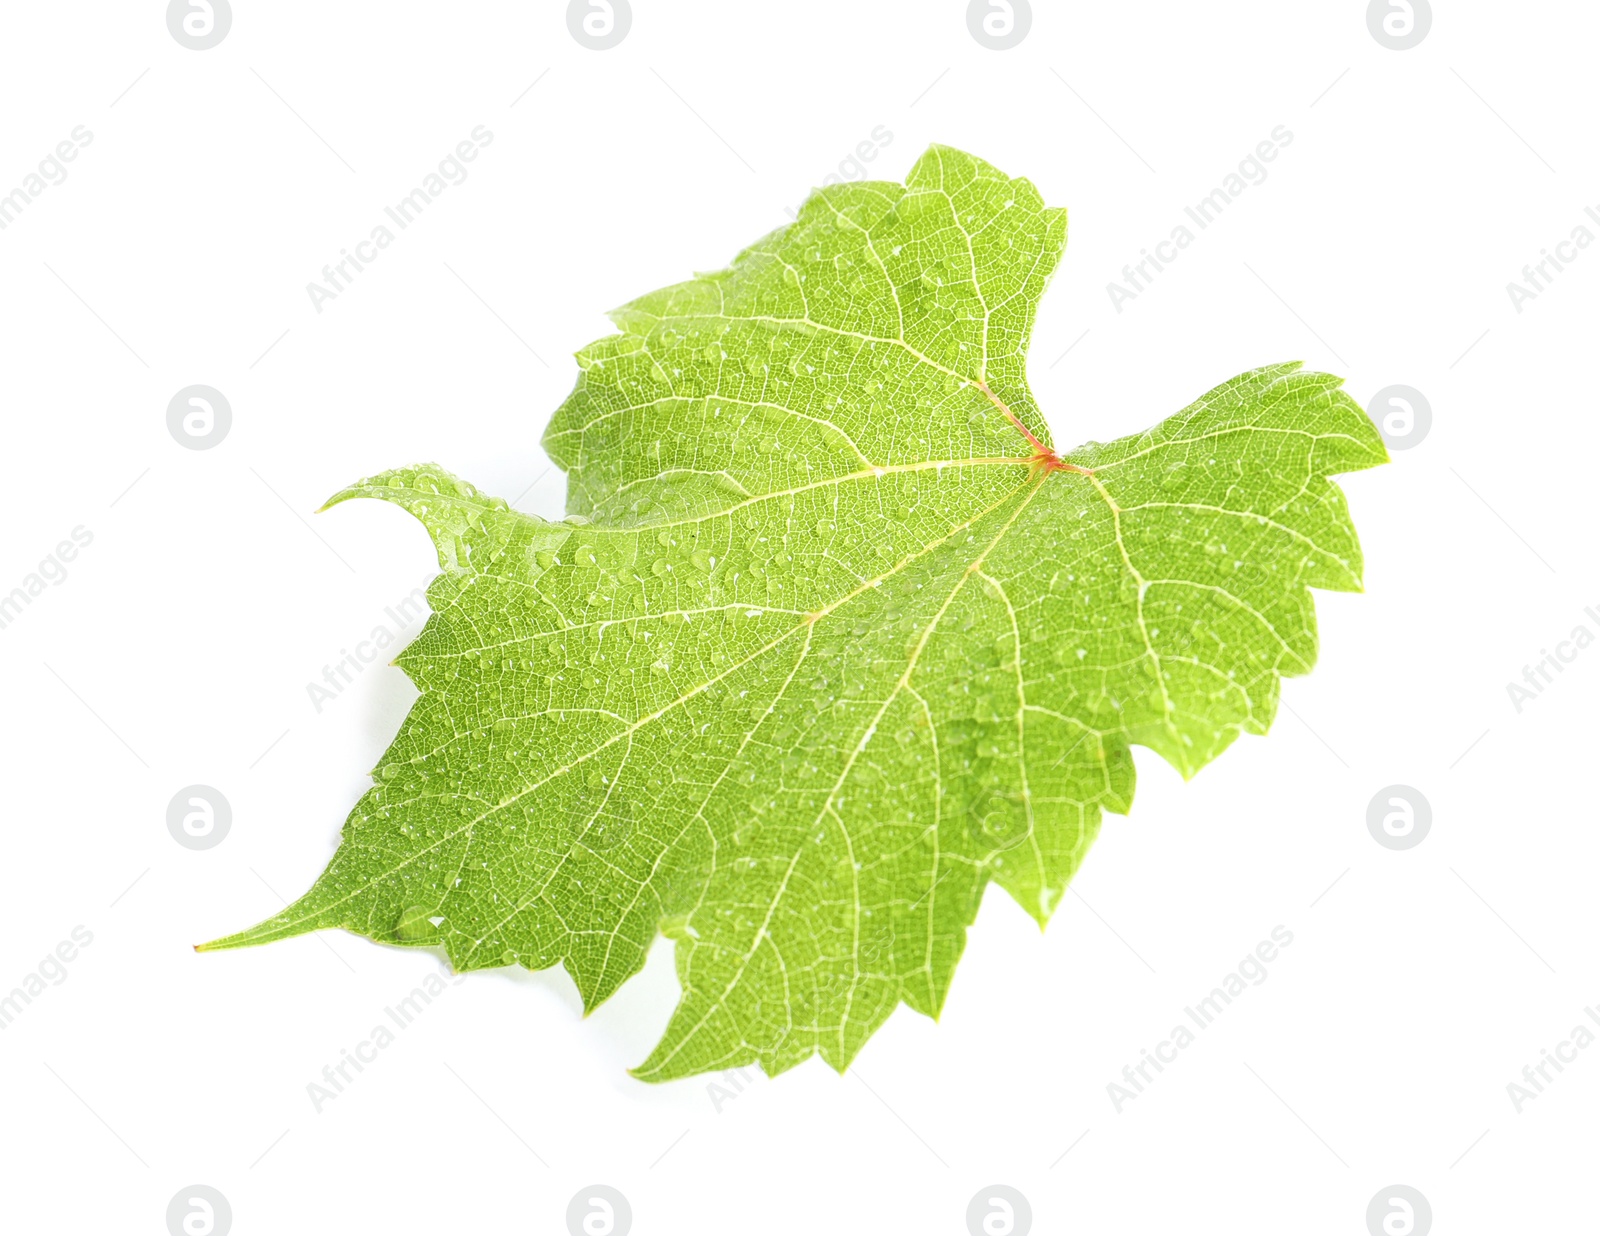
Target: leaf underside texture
832,636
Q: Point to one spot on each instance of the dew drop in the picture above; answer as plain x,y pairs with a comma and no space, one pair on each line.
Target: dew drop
413,924
676,927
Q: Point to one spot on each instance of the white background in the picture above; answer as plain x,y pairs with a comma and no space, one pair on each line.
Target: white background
179,646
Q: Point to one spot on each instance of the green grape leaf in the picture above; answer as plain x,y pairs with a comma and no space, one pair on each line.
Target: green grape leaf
832,636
